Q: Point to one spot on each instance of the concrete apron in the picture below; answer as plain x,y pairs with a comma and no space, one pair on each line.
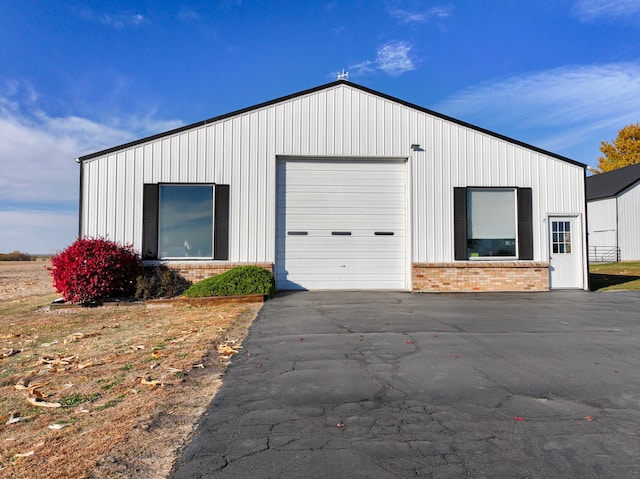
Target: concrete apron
388,385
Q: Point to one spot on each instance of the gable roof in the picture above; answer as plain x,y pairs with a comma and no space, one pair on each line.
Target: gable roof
612,183
326,87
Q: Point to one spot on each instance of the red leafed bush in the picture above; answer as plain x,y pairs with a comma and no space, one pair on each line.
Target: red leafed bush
91,270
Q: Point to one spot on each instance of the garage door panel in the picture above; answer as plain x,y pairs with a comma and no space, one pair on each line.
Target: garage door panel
339,244
318,198
343,283
355,200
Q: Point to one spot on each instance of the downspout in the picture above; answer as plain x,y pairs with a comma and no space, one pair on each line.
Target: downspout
81,188
585,234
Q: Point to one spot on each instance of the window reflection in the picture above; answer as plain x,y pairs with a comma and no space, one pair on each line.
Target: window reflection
185,221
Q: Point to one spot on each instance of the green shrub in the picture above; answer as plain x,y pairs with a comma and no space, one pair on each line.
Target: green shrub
240,280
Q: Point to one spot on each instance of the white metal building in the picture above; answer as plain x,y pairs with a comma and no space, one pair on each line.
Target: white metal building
342,187
613,206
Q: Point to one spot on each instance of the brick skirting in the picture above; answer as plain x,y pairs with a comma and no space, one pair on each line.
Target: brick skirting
194,271
480,276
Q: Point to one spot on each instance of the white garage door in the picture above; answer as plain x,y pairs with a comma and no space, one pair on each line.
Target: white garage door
341,224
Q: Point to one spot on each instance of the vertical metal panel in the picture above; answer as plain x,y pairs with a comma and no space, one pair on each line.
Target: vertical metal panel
603,222
629,224
337,122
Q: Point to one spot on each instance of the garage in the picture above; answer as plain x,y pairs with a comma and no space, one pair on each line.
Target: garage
341,224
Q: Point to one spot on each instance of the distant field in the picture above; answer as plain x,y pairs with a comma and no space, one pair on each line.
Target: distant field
21,279
615,276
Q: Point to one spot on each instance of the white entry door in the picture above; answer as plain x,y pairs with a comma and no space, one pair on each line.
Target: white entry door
565,252
341,224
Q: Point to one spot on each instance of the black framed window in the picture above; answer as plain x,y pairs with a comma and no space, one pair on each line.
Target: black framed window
493,223
185,221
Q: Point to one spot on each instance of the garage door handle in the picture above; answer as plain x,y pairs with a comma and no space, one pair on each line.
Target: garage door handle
297,233
383,233
341,233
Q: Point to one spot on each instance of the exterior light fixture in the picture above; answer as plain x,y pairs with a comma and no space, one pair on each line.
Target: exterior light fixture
415,147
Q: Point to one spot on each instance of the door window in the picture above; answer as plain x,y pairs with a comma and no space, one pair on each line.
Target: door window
561,237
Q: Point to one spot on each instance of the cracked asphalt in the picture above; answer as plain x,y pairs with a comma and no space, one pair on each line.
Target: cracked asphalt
397,385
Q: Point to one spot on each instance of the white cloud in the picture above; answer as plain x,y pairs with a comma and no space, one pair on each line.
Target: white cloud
559,108
122,20
39,180
588,10
424,16
393,58
566,95
117,20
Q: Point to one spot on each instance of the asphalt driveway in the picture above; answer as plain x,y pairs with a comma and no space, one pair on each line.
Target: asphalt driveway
397,385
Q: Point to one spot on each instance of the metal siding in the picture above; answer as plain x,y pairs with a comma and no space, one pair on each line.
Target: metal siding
339,121
602,220
629,224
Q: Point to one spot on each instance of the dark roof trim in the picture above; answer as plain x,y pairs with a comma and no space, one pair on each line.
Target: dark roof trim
325,87
612,183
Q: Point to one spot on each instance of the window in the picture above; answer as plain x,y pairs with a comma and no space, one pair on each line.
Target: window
561,240
185,221
493,223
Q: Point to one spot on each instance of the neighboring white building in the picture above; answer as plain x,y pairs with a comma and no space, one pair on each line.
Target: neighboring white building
613,206
342,187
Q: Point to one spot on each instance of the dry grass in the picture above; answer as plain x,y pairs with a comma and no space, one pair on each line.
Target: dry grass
131,382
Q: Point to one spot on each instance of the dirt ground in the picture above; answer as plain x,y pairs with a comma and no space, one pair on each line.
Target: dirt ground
108,392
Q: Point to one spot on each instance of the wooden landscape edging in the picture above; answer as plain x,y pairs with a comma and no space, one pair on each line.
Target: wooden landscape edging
170,302
208,301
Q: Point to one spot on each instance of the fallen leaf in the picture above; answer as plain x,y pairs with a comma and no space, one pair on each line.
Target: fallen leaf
301,339
36,402
519,419
588,418
46,345
25,454
15,417
78,336
157,354
340,424
226,351
89,364
9,352
409,342
58,426
24,383
34,391
151,382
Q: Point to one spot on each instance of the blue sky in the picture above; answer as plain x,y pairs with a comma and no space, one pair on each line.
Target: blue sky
80,76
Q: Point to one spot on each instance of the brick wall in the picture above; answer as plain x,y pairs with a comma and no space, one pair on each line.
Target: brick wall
194,271
480,276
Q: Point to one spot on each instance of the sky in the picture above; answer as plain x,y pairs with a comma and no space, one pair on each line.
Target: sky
77,77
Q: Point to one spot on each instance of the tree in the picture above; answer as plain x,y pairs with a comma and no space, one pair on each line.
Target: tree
623,151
